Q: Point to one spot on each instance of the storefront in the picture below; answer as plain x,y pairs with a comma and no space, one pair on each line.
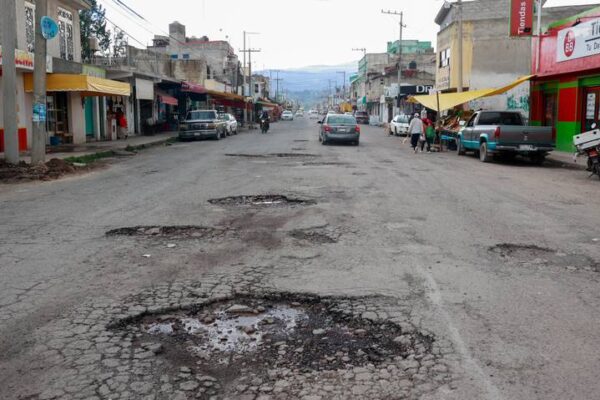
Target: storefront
566,91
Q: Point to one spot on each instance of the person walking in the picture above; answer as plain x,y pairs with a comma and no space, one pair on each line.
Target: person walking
416,129
429,134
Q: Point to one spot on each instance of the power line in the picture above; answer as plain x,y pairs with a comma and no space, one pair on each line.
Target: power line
117,26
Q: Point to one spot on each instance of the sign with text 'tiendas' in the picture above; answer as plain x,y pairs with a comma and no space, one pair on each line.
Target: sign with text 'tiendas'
521,17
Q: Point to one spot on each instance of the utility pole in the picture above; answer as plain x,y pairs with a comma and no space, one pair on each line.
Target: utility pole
250,86
402,26
9,81
538,49
244,75
460,46
344,85
38,134
277,80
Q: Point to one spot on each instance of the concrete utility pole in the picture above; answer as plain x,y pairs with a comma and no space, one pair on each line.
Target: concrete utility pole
402,26
344,85
250,86
460,46
277,80
538,49
244,74
9,81
38,134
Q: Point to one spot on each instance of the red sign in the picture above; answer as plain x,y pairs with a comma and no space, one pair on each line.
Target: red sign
521,17
569,45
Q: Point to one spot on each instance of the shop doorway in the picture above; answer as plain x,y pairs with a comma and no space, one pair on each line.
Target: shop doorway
551,112
89,117
57,116
591,109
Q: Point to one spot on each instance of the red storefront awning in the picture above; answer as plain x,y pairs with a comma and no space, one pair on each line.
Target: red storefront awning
193,88
166,99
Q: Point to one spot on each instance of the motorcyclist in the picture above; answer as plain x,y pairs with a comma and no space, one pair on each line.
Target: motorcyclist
265,119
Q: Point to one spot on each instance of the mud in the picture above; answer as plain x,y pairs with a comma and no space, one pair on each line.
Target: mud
51,170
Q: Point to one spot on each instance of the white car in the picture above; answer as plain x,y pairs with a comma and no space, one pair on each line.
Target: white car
399,125
231,123
313,114
299,114
287,116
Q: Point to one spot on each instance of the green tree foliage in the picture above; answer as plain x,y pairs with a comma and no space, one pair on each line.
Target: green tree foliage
119,43
93,25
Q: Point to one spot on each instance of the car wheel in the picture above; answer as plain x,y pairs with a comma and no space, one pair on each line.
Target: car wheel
460,150
484,154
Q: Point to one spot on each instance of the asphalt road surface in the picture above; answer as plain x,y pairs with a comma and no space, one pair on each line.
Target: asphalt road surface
485,276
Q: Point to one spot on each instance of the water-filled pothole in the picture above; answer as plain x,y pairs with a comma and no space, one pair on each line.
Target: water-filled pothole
532,255
273,155
173,232
268,200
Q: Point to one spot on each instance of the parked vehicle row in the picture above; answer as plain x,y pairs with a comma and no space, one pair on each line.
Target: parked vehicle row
200,124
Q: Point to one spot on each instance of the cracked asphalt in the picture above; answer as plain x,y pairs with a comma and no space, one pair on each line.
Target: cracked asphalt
496,263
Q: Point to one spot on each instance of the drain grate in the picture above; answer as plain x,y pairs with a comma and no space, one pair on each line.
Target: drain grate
268,200
178,232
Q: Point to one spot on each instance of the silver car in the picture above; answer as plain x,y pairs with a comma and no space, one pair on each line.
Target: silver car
339,128
230,123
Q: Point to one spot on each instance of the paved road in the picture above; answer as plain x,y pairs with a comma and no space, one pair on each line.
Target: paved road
496,262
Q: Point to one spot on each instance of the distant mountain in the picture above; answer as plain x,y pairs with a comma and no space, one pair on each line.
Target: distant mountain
312,78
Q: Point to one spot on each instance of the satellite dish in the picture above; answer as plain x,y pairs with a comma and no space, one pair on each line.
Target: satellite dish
49,28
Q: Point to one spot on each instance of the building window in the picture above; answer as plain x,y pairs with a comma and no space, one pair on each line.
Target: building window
30,26
186,56
65,24
445,58
174,56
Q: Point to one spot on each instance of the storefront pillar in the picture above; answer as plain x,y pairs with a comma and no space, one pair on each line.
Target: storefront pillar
77,118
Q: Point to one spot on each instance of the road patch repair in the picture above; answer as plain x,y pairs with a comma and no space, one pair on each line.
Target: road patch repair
267,200
535,256
273,155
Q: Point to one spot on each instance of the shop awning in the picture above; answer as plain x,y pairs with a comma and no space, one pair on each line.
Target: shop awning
86,85
166,98
450,100
192,88
226,96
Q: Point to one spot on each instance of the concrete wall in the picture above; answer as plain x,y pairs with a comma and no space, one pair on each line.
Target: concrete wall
76,118
189,70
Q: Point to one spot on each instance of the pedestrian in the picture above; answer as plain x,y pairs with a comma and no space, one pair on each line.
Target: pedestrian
416,129
429,134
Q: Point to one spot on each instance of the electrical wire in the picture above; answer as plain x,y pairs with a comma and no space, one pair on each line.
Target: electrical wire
117,26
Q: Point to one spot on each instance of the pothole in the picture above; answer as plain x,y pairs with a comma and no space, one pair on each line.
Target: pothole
260,342
268,200
315,236
173,232
273,155
301,140
326,163
532,255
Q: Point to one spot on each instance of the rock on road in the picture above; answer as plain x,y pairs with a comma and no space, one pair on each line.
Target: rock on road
496,261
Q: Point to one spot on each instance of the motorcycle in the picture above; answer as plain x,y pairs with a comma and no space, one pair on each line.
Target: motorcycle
264,125
588,143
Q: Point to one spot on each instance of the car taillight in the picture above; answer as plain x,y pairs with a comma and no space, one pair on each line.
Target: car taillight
327,128
357,129
497,132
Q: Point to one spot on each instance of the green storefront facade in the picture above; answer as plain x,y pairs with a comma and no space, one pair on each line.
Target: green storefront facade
566,90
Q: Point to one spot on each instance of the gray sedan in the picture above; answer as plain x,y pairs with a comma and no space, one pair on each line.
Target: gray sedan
339,128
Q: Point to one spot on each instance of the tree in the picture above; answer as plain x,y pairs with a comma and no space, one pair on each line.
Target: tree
93,25
119,43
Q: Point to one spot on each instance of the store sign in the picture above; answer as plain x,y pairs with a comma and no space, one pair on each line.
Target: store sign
144,89
415,89
49,28
521,17
442,78
579,41
23,59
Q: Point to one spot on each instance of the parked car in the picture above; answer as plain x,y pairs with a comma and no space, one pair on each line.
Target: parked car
504,133
399,125
287,116
339,128
230,123
362,117
201,124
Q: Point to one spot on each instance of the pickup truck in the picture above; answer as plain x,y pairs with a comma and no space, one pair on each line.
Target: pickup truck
202,123
504,133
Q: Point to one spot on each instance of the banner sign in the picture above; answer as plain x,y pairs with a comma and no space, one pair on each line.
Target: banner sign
521,17
23,59
579,41
415,89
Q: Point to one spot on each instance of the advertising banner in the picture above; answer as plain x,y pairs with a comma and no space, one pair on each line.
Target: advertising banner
521,17
579,41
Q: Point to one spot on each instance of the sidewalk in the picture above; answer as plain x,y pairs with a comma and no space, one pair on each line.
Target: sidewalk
78,150
565,160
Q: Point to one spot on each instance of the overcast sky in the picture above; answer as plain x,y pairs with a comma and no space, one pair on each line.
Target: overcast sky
293,33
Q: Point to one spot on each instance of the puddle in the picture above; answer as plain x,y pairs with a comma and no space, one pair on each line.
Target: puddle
269,200
175,232
532,255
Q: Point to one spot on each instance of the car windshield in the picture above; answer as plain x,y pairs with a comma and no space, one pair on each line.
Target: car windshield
341,120
500,118
198,115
